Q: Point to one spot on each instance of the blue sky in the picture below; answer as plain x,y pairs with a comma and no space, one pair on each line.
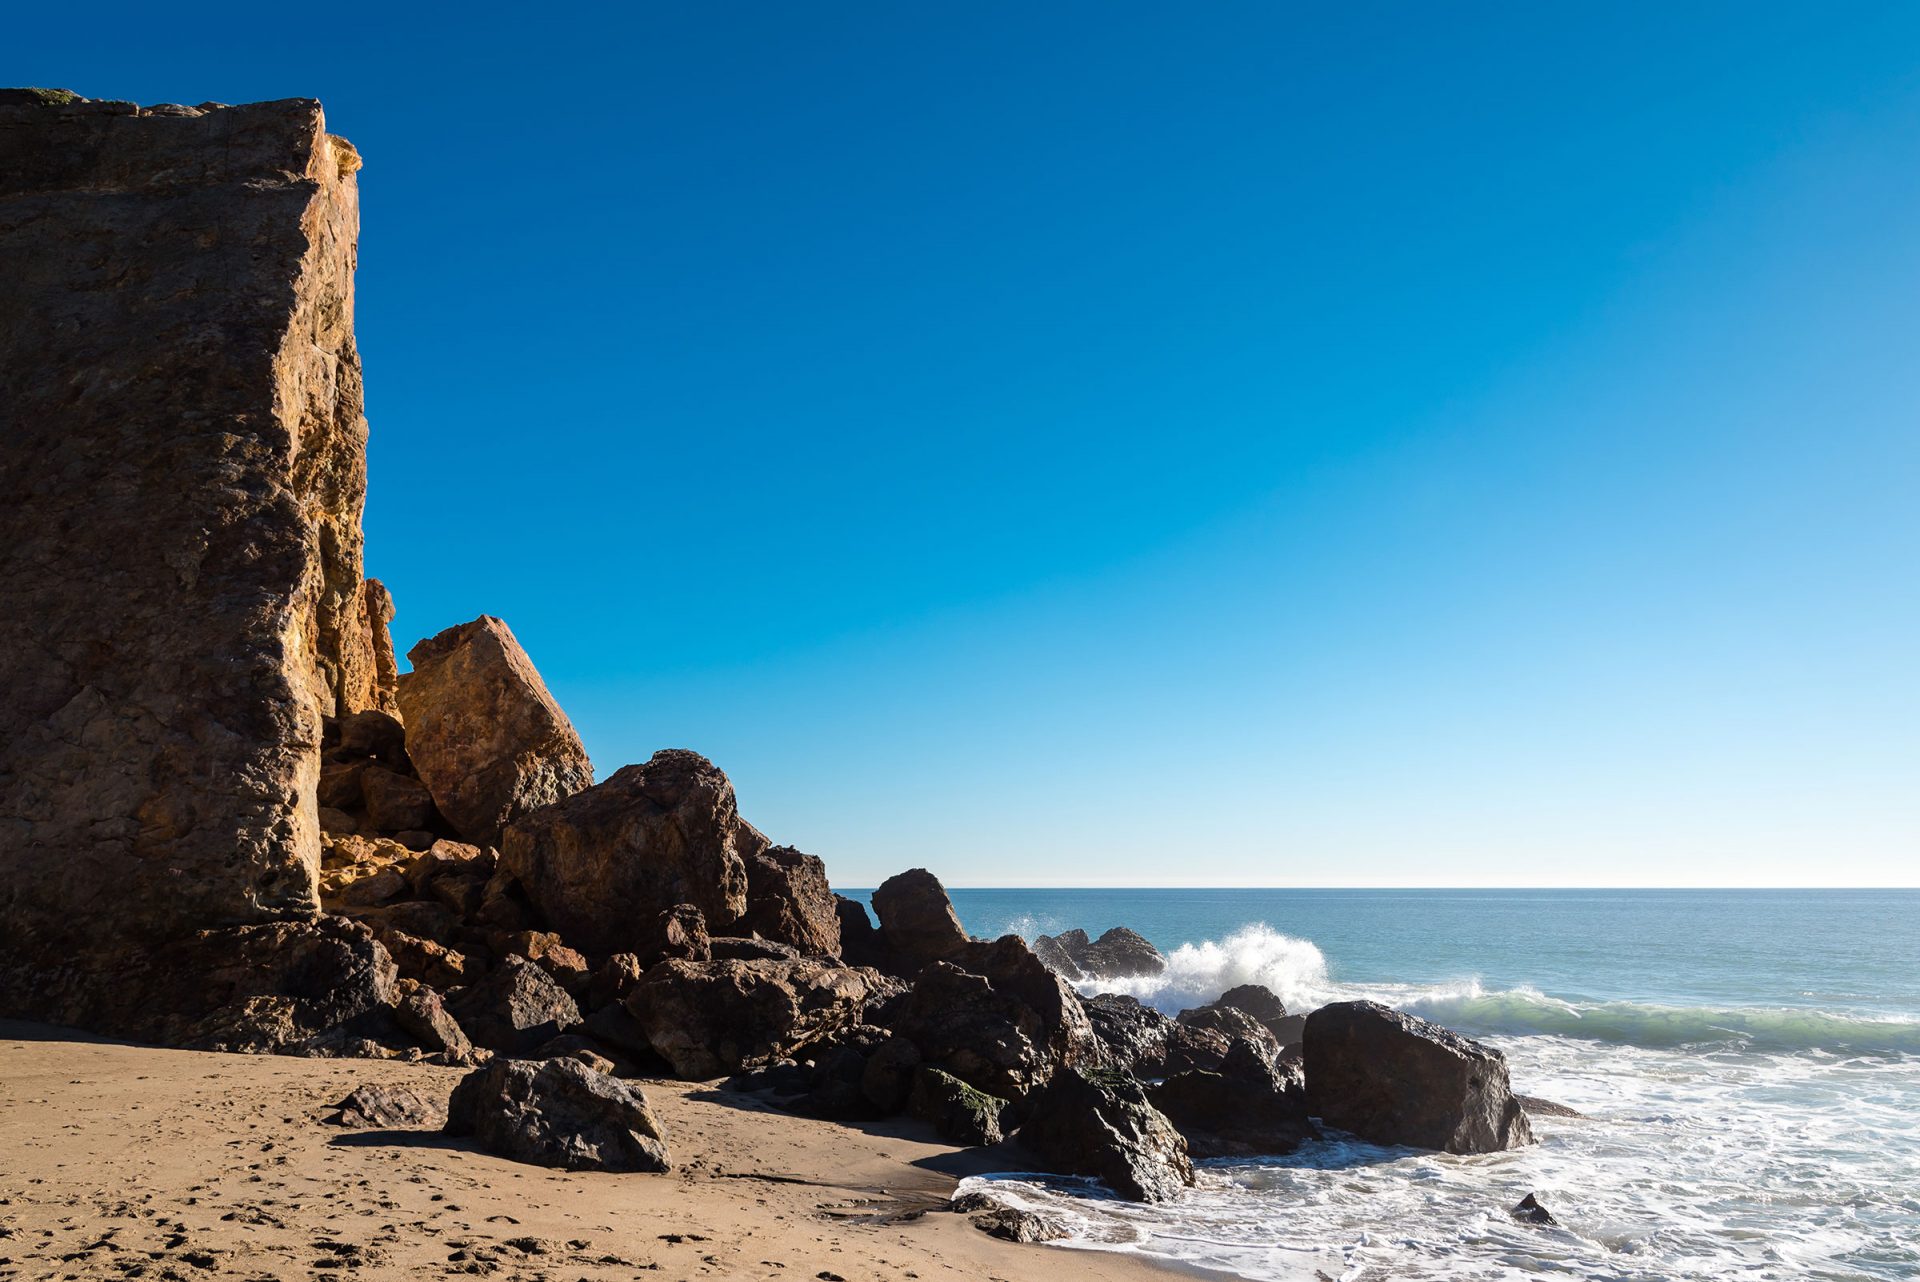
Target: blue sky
1150,444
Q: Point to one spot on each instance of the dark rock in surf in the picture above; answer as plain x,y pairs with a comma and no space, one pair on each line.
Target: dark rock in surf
1121,954
1102,1124
1531,1212
1393,1078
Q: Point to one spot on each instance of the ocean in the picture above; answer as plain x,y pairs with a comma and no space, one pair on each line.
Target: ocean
1748,1061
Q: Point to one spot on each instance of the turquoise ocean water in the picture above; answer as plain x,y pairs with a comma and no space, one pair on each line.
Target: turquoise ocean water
1749,1062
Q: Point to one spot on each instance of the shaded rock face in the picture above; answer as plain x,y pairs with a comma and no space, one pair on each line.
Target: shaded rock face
487,739
515,1008
602,865
560,1113
958,1113
1102,1124
1394,1078
917,921
1250,1107
182,471
709,1019
789,901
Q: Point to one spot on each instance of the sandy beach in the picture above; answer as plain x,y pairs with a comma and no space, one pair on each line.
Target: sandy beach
121,1161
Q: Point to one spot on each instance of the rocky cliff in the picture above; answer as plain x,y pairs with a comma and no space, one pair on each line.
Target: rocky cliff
182,470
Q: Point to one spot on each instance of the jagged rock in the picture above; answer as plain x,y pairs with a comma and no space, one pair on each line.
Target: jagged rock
1537,1107
487,739
182,470
386,1107
1256,1000
886,1079
395,803
1101,1124
1249,1108
958,1113
985,1035
427,961
1120,954
1394,1078
788,901
567,966
1529,1211
1056,958
561,1113
447,859
1133,1035
917,921
709,1019
603,864
859,941
1231,1023
423,1015
515,1008
585,1049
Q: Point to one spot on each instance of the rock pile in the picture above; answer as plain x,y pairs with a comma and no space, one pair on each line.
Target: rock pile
231,824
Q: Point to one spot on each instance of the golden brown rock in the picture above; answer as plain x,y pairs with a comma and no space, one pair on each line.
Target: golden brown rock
182,470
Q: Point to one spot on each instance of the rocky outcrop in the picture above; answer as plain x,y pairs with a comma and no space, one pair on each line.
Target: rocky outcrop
986,1037
709,1019
1250,1107
1101,1124
1119,954
182,470
917,921
560,1113
488,740
602,865
1394,1078
789,902
957,1112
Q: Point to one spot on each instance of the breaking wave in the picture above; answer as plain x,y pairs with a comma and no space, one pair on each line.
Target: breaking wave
1296,971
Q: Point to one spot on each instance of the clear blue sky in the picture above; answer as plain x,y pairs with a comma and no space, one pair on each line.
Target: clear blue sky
1241,443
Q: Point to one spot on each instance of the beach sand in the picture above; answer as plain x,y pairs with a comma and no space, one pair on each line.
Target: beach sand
121,1161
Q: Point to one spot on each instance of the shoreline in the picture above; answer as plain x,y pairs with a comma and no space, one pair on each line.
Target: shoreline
127,1160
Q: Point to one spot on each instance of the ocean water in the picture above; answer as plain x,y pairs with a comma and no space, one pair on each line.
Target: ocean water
1748,1061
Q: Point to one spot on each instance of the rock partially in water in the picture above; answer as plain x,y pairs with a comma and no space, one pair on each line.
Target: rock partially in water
1394,1078
1102,1124
1529,1211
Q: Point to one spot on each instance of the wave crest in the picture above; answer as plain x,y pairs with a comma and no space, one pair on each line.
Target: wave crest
1196,974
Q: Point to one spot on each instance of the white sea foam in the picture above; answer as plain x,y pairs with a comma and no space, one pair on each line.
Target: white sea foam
1725,1144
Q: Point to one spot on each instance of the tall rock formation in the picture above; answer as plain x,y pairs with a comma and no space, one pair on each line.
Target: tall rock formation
182,470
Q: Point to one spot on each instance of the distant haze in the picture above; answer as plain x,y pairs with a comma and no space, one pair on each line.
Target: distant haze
1156,445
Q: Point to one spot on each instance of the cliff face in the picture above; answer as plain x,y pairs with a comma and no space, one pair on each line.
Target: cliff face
182,471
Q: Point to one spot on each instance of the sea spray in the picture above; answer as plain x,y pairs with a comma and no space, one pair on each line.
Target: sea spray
1196,974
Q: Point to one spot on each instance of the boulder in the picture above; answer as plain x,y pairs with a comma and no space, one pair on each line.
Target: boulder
1256,1000
1233,1024
680,931
959,1113
1133,1035
859,941
560,1113
917,921
788,901
709,1019
1394,1078
1121,954
601,865
1009,1223
487,739
1012,968
1529,1211
423,1016
886,1079
567,966
515,1008
986,1038
387,1107
1101,1124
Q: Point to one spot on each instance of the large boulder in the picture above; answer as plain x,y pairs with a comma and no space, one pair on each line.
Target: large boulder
983,1036
1101,1124
515,1008
859,941
957,1112
917,921
182,471
559,1112
709,1019
603,864
789,901
487,739
1394,1078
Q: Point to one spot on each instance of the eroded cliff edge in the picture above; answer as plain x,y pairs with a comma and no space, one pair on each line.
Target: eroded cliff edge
182,472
